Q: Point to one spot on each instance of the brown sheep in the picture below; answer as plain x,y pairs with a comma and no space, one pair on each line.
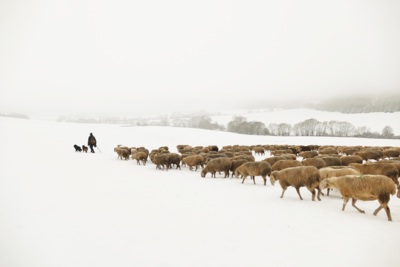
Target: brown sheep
391,153
289,156
281,151
328,151
297,177
333,171
258,168
316,162
161,160
287,163
308,154
236,163
350,150
363,187
387,169
174,159
194,161
139,156
123,152
394,162
368,155
346,160
217,165
272,160
259,150
332,161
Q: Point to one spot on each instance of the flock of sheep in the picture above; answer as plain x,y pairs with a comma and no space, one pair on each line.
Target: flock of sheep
357,172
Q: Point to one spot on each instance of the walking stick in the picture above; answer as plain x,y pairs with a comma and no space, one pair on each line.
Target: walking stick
98,149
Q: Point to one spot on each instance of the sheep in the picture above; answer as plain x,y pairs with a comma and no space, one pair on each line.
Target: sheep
236,163
281,151
298,177
194,161
363,187
316,162
331,161
122,152
350,151
258,168
287,163
213,148
394,162
391,153
308,154
305,148
289,156
368,155
259,150
328,151
139,156
331,171
161,160
272,160
174,159
346,160
388,169
217,165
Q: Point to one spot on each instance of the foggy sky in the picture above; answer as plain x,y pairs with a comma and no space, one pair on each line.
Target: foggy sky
68,57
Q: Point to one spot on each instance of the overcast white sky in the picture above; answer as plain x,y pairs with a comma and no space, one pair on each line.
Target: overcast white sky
63,56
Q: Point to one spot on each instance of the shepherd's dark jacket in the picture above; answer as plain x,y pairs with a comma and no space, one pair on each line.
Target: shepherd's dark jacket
92,140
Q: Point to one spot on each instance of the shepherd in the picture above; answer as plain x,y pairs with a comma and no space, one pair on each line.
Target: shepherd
92,142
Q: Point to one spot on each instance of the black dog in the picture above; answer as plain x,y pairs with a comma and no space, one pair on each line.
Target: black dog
77,148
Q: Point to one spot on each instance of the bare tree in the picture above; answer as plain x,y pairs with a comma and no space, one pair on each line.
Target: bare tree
387,132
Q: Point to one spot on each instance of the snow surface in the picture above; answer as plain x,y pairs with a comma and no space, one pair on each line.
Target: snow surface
59,207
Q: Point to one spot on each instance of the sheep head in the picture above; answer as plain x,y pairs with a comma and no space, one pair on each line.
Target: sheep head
274,177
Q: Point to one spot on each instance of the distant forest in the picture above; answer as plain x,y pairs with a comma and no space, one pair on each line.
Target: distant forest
360,104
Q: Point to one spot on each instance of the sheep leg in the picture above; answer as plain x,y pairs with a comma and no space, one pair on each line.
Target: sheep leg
298,192
283,192
244,178
345,200
319,193
387,210
353,203
254,179
313,194
265,180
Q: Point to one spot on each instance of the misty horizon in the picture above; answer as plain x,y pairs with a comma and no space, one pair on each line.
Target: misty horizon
133,57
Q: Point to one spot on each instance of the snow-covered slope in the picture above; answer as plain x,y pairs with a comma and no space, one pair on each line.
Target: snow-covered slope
59,207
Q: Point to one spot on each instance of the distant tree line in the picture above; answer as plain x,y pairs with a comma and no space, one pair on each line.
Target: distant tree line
239,124
309,127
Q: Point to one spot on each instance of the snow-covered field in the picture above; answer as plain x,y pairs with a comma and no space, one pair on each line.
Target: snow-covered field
374,121
63,208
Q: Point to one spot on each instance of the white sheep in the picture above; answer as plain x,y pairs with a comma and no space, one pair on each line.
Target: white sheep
333,171
297,177
252,169
363,187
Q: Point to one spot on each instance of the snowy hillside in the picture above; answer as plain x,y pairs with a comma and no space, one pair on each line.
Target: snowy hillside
59,207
